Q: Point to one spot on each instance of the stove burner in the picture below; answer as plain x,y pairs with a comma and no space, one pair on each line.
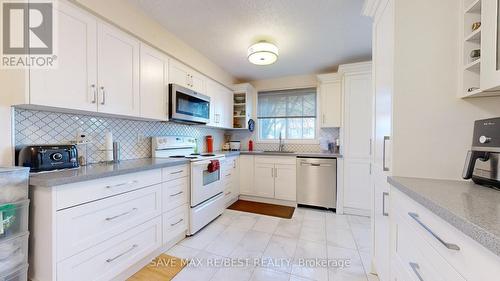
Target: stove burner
195,154
190,157
208,155
177,156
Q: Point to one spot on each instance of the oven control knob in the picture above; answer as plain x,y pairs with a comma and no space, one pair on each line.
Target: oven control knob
484,139
56,156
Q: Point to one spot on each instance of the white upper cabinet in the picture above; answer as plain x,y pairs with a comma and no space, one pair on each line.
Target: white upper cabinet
242,105
221,105
330,93
154,84
118,68
183,75
73,84
490,45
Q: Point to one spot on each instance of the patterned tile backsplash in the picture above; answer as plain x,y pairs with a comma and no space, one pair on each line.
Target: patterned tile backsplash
43,127
325,136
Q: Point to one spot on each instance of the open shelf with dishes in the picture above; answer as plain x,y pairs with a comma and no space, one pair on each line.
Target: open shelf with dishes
471,49
242,105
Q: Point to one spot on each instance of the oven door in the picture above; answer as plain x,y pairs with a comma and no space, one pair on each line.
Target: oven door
188,106
204,185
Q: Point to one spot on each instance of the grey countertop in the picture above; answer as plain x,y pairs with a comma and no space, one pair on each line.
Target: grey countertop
96,171
471,208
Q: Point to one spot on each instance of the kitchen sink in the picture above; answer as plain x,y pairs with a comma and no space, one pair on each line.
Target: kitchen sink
274,151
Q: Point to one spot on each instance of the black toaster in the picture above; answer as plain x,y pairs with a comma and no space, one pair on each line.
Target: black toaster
41,158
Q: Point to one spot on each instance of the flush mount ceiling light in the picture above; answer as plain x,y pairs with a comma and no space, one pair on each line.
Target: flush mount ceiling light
263,53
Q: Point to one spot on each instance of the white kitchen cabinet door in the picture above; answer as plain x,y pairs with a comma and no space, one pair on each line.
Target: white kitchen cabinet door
383,69
285,184
490,46
247,176
118,68
213,91
357,139
73,84
330,91
228,108
183,75
264,180
381,231
154,84
178,74
235,186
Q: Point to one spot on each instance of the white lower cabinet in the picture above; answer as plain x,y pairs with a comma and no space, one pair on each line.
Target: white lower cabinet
99,229
247,174
417,251
230,179
109,258
285,184
274,177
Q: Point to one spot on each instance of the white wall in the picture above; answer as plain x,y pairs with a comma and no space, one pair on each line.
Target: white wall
133,20
287,82
432,127
12,92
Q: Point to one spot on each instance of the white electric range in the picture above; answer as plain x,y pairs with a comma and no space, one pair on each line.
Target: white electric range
206,190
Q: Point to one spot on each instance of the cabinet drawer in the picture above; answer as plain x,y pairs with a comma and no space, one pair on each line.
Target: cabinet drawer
472,260
287,160
174,223
176,172
175,193
418,257
84,226
78,193
106,260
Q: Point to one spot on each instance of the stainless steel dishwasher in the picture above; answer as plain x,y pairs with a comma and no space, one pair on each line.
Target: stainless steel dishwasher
317,182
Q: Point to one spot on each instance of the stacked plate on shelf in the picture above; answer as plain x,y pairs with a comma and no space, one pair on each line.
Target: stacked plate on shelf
14,213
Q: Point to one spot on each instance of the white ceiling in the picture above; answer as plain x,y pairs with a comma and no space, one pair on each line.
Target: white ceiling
314,36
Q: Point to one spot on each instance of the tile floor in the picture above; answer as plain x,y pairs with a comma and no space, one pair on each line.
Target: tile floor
242,246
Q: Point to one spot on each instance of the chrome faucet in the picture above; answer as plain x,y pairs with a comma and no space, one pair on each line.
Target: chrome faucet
281,144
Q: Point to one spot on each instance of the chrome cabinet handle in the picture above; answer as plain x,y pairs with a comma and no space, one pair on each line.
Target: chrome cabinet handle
272,172
122,184
176,172
174,224
124,253
370,146
386,138
384,195
323,117
94,93
175,194
415,267
121,215
103,93
450,246
229,192
276,172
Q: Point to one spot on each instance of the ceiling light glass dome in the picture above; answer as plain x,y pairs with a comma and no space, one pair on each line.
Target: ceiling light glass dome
263,53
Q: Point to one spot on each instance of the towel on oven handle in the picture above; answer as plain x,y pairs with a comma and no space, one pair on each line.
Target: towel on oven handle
213,166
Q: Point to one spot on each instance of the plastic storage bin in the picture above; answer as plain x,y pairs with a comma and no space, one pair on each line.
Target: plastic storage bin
18,274
13,184
13,219
13,253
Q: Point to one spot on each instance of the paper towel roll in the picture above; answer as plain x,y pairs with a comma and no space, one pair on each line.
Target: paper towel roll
108,145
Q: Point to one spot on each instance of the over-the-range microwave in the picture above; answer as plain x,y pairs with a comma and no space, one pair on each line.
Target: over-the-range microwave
186,105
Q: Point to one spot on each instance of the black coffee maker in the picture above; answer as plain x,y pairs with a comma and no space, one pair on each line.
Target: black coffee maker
482,162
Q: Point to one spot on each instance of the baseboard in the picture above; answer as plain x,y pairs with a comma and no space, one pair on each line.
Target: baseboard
357,212
268,200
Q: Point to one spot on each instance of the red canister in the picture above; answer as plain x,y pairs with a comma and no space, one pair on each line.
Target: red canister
250,145
210,144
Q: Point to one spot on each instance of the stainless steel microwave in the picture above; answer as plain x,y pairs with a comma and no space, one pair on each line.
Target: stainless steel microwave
186,105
